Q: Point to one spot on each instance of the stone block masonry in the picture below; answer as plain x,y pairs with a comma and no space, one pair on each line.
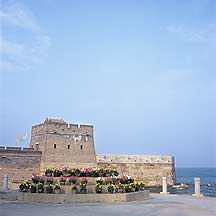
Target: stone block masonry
18,164
149,169
82,198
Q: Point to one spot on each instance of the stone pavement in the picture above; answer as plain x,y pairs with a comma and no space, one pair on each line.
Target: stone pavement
159,205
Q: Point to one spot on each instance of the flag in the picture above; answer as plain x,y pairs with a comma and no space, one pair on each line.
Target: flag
19,140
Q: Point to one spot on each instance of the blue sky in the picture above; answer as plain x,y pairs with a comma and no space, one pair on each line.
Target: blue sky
142,72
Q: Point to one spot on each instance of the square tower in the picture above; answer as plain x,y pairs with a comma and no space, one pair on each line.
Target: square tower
64,144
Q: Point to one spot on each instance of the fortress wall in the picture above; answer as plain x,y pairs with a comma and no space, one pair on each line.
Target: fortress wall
67,151
78,152
149,169
56,143
18,164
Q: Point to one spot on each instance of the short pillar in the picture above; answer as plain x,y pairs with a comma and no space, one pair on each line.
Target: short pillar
197,188
164,186
5,186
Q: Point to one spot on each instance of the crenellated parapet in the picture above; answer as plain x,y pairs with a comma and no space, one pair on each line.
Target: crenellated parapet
18,150
119,158
61,127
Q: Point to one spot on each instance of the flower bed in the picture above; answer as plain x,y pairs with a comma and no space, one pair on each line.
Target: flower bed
118,184
84,172
67,180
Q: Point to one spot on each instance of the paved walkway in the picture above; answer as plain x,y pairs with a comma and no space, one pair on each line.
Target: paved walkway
159,205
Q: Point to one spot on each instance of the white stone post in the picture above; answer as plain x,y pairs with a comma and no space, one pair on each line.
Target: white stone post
164,186
197,188
5,186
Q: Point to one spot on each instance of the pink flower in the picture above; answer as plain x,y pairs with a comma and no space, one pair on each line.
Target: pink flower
87,170
72,177
63,169
84,180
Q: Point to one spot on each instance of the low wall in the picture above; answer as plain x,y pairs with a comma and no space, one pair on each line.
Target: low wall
82,198
18,164
9,195
149,169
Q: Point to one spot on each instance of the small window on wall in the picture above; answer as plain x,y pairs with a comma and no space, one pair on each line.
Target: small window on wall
37,146
54,145
68,146
81,147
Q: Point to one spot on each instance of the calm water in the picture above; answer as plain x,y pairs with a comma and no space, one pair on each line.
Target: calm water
207,179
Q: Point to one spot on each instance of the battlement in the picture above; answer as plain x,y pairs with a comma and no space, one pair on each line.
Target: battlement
59,126
111,158
18,150
55,121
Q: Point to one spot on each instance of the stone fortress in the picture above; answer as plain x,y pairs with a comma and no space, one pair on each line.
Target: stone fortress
56,143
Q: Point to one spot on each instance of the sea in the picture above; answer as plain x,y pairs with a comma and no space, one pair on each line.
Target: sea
207,180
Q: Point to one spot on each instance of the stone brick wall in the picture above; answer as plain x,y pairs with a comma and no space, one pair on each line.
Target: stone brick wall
18,164
64,144
149,169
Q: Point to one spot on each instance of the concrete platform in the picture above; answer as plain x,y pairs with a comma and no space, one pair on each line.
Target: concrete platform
82,198
159,205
